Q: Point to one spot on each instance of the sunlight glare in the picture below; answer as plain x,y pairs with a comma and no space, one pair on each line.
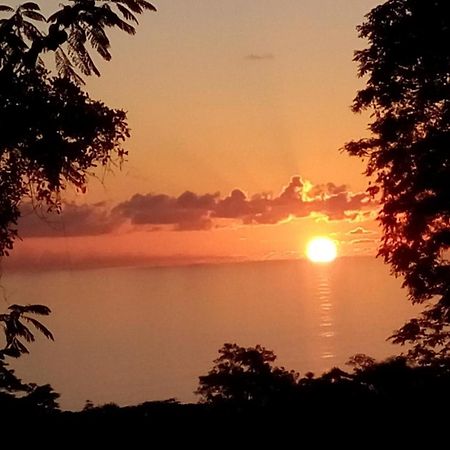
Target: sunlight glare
321,250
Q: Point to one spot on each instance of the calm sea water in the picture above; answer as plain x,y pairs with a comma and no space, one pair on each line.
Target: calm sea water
134,334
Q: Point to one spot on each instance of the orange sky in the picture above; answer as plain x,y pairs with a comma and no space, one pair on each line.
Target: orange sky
207,117
222,95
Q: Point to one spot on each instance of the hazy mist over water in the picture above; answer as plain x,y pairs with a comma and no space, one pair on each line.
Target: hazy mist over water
128,335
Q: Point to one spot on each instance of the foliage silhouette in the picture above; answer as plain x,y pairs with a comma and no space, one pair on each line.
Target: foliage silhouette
246,375
70,29
51,135
13,391
51,132
15,329
244,379
407,66
375,396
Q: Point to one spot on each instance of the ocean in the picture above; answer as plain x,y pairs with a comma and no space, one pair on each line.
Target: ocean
134,334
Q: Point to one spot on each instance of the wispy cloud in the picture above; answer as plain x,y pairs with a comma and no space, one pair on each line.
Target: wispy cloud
73,220
260,56
359,230
362,241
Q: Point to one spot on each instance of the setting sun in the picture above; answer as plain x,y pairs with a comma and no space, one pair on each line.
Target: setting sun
321,250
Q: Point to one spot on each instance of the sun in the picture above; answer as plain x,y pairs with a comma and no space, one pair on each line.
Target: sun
321,250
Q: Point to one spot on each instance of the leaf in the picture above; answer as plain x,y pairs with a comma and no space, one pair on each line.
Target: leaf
18,347
29,6
41,310
65,68
112,19
125,27
4,8
146,5
34,15
40,327
137,6
79,54
16,328
15,307
56,16
126,13
99,42
30,31
12,352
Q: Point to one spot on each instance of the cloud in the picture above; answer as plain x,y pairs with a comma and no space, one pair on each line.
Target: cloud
233,206
300,199
73,220
360,230
191,211
362,241
288,204
344,205
259,56
327,189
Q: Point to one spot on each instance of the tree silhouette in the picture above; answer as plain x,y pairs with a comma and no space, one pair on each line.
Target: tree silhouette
407,66
16,327
246,376
51,132
71,28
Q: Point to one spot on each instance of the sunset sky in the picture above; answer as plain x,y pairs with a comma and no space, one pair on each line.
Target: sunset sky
238,110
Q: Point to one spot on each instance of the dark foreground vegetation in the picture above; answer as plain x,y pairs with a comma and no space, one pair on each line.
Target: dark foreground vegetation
246,393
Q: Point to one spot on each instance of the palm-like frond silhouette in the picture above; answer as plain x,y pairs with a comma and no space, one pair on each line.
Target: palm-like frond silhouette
18,31
86,22
73,30
16,327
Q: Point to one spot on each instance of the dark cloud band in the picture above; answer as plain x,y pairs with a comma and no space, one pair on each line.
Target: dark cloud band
191,211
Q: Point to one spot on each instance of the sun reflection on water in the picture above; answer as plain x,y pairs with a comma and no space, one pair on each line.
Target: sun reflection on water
326,319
